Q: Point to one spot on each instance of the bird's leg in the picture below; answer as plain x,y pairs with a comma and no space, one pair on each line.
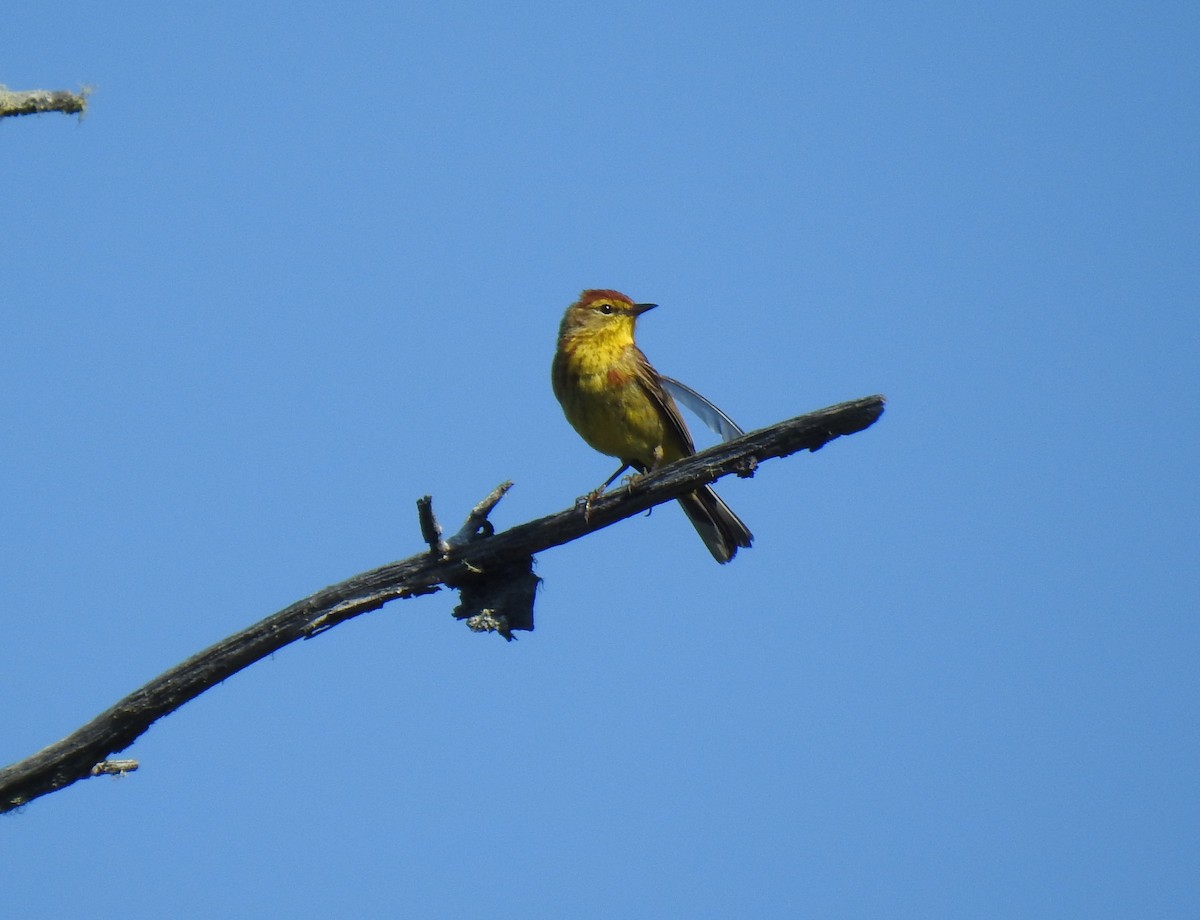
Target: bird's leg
609,481
586,500
658,459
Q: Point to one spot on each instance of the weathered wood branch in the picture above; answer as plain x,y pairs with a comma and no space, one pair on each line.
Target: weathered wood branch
492,572
35,101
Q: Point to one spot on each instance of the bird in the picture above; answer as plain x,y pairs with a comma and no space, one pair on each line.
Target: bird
621,406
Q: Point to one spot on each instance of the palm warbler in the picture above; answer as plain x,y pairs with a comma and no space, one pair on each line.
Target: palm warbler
618,403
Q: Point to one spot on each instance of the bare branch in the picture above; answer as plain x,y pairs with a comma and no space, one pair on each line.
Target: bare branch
492,572
35,101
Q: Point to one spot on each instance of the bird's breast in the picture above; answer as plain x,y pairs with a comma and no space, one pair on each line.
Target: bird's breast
604,401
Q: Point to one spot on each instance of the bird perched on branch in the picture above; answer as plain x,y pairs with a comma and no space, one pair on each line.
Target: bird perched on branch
623,407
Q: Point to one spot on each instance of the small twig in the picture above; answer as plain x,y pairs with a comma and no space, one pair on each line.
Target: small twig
477,525
431,530
114,767
35,101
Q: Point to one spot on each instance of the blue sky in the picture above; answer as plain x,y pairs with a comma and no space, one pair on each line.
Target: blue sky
298,267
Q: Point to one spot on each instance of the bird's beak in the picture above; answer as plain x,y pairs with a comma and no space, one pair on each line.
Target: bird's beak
640,308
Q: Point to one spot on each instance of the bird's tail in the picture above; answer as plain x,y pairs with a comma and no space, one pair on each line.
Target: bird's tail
721,530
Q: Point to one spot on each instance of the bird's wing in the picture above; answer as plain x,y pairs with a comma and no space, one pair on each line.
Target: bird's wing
676,429
713,417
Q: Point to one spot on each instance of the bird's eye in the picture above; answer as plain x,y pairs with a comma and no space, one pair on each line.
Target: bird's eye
606,308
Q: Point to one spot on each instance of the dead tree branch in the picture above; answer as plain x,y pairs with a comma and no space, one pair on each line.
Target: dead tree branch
36,101
492,572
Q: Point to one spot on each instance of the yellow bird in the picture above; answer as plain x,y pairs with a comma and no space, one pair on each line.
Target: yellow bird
623,407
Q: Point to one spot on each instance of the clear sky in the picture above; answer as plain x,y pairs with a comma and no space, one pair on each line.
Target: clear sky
300,265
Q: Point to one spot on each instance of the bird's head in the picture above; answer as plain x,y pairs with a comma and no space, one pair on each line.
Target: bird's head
603,312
